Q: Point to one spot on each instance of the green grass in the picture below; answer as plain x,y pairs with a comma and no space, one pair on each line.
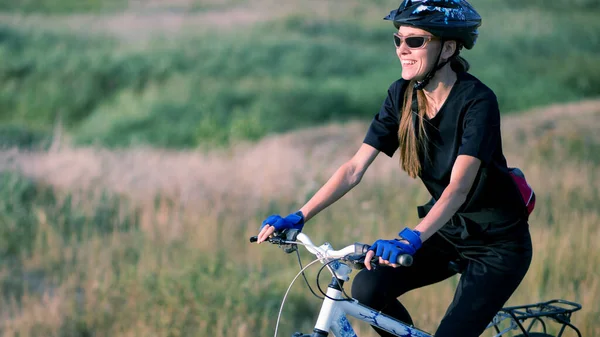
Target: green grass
24,137
218,87
87,252
62,6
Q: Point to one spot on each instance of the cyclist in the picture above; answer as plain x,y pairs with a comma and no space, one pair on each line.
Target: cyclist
446,125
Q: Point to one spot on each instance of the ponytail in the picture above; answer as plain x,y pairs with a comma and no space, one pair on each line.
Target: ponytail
412,139
459,64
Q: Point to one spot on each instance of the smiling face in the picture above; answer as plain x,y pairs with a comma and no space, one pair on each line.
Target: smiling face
417,62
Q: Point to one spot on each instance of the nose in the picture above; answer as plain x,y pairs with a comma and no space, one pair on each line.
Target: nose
403,49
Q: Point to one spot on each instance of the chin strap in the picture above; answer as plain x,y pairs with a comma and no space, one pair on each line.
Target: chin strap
419,85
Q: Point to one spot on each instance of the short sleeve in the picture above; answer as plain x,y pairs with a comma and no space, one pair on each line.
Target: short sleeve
383,131
481,129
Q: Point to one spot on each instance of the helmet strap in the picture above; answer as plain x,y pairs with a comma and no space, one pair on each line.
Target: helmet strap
419,85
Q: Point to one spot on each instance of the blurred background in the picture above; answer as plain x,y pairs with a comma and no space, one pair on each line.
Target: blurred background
143,142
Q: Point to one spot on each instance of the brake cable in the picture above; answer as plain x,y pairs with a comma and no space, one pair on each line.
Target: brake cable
348,298
306,280
287,292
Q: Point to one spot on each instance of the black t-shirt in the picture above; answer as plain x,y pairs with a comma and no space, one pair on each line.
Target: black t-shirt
468,123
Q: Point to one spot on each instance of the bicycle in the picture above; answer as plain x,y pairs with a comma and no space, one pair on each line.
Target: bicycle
335,308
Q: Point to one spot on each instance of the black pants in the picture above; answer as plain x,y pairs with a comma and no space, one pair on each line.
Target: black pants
492,271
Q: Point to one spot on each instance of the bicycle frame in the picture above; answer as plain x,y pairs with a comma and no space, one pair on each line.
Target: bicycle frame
333,316
334,310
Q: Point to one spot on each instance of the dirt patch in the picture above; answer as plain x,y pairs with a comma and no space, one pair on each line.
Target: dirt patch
240,173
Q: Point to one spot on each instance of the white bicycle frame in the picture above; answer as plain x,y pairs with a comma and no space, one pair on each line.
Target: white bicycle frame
333,317
335,310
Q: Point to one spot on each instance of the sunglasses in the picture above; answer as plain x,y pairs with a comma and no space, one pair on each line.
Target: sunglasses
413,41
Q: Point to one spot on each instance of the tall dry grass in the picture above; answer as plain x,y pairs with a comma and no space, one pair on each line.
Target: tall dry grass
188,268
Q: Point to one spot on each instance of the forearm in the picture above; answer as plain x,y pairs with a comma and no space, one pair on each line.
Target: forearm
443,210
342,181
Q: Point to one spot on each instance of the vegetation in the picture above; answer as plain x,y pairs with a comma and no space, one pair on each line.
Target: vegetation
62,6
221,86
87,263
112,255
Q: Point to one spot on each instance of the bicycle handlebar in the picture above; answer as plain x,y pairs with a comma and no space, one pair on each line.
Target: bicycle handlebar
354,253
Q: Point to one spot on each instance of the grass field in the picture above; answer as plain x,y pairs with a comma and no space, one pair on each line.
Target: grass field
172,75
143,142
154,243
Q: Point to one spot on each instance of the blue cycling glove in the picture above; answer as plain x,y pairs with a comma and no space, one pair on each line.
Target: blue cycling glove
390,250
294,221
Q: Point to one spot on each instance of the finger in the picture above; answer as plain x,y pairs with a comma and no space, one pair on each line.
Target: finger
394,257
265,233
368,258
259,237
386,254
384,262
380,249
268,233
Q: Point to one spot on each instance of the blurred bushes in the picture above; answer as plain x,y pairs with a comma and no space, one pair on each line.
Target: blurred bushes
24,137
210,89
36,220
296,72
556,5
61,6
29,209
44,75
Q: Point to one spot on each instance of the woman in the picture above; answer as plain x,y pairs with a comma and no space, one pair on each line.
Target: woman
446,125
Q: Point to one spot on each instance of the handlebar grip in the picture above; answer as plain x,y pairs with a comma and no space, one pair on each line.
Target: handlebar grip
404,260
253,239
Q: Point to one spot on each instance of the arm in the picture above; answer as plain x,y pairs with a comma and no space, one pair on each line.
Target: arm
342,181
462,177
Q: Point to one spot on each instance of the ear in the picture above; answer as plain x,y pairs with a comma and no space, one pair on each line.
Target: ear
448,49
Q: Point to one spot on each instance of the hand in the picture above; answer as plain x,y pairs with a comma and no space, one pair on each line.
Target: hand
388,251
277,223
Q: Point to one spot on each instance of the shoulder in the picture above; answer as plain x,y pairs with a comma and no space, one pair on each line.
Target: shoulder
477,103
471,88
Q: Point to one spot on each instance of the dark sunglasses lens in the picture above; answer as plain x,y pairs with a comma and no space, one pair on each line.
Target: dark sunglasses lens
414,41
397,41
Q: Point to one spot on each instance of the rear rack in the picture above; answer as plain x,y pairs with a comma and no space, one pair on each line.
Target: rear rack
558,310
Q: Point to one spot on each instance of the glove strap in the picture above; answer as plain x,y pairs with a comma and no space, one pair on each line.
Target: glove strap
412,236
301,218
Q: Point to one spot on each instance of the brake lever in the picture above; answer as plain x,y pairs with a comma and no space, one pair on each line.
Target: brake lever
276,240
357,261
286,240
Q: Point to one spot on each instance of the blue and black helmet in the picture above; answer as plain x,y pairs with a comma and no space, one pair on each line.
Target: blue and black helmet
447,19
